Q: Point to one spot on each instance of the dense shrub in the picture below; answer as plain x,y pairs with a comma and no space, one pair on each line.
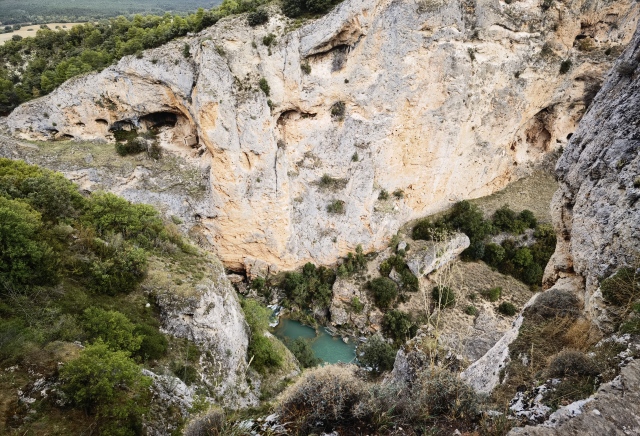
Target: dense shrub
377,354
492,294
398,325
118,272
311,288
384,291
324,396
111,328
262,352
303,353
493,254
507,220
554,303
25,258
507,308
109,213
354,262
154,344
443,296
49,193
296,8
409,281
258,17
108,384
338,110
264,86
336,206
571,362
471,310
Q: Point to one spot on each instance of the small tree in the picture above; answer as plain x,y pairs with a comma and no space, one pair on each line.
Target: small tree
377,354
109,385
111,328
304,353
384,291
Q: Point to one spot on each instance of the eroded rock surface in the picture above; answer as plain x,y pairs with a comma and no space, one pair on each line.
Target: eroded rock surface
437,101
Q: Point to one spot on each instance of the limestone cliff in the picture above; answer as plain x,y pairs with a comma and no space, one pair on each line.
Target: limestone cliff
437,101
597,217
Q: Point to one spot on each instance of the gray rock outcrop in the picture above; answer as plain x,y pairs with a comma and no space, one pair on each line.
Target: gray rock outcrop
426,257
434,101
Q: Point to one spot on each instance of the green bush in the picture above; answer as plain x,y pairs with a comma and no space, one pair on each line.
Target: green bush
264,86
384,291
383,195
493,254
108,214
377,354
262,352
398,326
185,372
120,272
154,344
565,66
354,262
51,194
357,305
471,310
338,110
303,353
258,17
554,303
507,308
306,68
25,257
296,8
443,296
507,220
268,40
311,288
109,385
410,282
336,206
492,294
111,328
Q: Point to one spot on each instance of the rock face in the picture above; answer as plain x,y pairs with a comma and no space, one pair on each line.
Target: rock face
437,101
614,410
596,210
428,256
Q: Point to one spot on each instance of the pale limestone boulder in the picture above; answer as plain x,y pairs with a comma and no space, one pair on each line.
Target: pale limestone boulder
428,256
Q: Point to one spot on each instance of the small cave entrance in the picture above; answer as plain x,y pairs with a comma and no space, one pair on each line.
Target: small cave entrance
157,120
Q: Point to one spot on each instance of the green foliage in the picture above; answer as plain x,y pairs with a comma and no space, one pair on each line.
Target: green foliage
493,254
507,308
353,263
332,183
338,110
398,194
108,384
336,206
264,86
268,41
120,271
48,192
507,220
492,294
54,56
311,288
133,145
443,296
25,258
409,281
565,66
383,195
296,8
303,353
384,291
110,214
357,305
399,326
262,352
356,158
305,67
471,310
154,344
258,17
377,354
111,328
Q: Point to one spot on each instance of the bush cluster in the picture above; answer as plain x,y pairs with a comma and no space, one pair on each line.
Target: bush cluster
303,352
335,396
297,8
310,288
262,353
409,282
443,296
524,263
398,326
257,17
377,354
384,290
353,263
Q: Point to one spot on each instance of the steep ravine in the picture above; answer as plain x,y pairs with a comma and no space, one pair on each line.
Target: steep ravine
441,101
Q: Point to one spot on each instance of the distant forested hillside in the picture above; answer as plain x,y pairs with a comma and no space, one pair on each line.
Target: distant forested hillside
48,11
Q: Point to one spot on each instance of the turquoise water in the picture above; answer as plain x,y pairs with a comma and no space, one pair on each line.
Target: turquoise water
326,347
